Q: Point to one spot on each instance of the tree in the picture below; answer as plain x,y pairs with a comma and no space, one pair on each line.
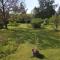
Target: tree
1,23
36,12
23,14
46,9
57,21
59,11
6,7
22,8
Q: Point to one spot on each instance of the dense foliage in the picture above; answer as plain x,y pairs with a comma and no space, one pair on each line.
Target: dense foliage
45,10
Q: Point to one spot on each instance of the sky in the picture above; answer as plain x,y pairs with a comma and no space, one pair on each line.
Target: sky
30,4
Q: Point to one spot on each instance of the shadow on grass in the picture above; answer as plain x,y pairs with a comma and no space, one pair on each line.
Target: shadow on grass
40,56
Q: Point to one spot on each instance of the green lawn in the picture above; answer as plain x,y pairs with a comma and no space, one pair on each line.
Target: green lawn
24,53
17,43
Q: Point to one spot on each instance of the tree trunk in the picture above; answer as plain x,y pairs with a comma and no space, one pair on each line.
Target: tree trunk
4,16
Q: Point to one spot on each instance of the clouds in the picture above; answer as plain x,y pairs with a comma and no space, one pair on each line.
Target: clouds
58,3
30,4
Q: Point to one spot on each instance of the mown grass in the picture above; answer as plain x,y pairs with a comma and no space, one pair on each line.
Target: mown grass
16,43
24,53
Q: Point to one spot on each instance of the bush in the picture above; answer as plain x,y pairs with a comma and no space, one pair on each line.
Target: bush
13,23
24,18
36,22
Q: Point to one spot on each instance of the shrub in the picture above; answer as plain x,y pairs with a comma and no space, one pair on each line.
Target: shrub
36,22
13,23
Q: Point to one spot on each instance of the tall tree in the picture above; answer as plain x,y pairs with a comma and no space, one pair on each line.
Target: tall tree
36,12
46,8
6,6
22,7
